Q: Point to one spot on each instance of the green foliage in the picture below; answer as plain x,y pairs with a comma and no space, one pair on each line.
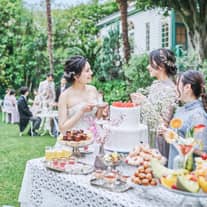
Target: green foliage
188,61
114,90
75,29
136,73
23,47
23,40
191,61
204,69
108,63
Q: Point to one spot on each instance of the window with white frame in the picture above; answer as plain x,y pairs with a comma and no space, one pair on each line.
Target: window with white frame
165,34
147,26
131,35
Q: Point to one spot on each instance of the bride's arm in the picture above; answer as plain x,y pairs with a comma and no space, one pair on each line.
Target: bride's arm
66,123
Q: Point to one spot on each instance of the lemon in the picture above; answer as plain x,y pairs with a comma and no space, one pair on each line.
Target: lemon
168,181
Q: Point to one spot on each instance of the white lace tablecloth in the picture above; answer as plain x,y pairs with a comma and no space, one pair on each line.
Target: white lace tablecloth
45,188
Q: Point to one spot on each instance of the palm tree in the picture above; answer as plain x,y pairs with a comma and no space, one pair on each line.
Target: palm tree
49,33
123,6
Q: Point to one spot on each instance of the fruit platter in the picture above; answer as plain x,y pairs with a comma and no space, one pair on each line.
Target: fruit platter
191,184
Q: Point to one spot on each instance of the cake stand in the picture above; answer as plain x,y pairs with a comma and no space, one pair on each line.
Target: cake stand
75,145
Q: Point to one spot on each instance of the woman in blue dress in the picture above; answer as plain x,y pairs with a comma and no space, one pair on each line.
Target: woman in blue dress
191,92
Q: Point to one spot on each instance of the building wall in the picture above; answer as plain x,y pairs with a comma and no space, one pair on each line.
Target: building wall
139,20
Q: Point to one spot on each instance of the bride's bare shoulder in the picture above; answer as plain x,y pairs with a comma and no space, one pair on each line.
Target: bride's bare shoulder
66,93
91,88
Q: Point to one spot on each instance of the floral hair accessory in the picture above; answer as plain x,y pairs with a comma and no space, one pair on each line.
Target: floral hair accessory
70,74
164,60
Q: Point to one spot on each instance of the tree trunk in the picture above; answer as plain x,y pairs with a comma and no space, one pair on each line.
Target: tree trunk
198,38
123,12
49,33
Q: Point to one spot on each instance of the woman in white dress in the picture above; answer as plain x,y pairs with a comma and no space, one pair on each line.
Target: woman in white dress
77,106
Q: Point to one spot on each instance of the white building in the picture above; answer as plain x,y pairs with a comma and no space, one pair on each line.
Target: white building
149,29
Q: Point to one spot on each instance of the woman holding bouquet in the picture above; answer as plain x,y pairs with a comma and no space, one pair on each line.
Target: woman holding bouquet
157,106
191,91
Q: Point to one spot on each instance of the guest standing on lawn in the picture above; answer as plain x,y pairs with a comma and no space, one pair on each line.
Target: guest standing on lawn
46,92
14,110
157,106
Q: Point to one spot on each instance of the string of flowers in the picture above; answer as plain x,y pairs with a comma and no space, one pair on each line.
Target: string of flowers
105,126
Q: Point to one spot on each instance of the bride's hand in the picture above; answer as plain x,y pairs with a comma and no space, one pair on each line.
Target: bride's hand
105,112
87,107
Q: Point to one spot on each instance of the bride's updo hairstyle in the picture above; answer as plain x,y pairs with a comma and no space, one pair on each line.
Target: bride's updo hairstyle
197,82
164,58
74,67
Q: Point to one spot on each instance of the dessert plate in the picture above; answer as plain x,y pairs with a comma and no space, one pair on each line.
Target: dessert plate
119,186
78,168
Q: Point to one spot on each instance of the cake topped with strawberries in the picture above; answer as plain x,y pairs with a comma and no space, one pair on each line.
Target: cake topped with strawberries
125,129
123,104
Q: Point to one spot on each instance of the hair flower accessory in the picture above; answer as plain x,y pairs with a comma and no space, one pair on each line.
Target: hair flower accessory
70,74
164,60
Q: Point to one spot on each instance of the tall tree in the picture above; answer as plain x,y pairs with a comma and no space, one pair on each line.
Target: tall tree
49,32
123,6
194,16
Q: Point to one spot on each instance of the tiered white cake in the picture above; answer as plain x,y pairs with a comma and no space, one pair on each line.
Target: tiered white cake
125,130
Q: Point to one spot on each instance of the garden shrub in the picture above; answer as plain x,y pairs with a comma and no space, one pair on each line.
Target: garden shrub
188,61
108,64
191,61
136,74
114,90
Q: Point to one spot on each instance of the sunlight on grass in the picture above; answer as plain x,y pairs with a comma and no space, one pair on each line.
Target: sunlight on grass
14,153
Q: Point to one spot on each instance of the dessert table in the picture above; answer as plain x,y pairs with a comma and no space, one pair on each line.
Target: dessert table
42,187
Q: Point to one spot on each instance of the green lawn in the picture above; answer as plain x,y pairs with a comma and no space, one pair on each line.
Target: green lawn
14,153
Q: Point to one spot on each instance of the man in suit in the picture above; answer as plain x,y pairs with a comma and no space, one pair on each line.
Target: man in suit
25,114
